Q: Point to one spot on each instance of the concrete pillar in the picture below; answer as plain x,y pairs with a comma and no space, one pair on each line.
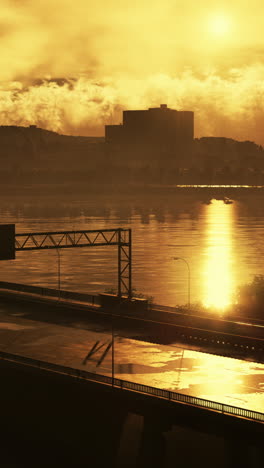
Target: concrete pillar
241,453
130,441
152,450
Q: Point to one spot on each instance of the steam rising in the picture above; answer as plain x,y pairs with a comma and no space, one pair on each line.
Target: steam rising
127,56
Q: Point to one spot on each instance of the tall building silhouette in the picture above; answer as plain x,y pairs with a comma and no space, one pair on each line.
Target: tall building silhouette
158,130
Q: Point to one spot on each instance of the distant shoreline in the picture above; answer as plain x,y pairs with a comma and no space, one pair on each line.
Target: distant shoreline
209,191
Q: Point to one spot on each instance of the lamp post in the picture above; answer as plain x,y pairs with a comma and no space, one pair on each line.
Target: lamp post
189,278
179,373
113,352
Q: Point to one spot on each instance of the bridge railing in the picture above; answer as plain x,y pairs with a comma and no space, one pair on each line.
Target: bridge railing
49,292
136,387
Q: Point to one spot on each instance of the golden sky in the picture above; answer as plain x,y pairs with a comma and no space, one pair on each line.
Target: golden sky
72,66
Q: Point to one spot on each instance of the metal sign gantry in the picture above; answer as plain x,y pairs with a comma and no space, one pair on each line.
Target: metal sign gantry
122,238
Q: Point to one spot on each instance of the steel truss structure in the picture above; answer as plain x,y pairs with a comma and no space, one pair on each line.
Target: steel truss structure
122,238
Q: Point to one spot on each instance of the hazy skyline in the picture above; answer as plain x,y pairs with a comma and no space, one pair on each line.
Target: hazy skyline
73,67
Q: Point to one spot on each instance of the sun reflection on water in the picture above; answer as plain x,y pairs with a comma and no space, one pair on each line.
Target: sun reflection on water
218,269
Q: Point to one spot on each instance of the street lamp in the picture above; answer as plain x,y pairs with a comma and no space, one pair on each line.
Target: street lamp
113,353
189,278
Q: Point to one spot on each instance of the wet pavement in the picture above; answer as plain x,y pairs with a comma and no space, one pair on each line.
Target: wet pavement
171,367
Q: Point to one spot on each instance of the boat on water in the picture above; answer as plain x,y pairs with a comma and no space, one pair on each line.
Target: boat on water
227,201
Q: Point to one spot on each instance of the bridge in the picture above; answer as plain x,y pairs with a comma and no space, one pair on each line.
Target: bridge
44,384
48,401
119,384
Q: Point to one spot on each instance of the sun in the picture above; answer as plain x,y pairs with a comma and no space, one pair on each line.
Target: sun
220,25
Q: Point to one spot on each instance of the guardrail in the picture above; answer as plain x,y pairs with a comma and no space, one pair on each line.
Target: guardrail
136,387
49,292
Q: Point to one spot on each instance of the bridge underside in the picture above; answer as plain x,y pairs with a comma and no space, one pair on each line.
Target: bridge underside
54,420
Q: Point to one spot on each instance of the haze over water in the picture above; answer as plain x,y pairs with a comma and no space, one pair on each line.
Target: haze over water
222,243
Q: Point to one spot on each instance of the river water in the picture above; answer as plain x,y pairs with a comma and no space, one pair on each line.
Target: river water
223,244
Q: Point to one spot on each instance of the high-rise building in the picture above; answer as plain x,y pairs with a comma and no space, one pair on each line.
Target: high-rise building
158,130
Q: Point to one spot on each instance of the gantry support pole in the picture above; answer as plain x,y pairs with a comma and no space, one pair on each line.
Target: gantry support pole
124,263
130,264
119,259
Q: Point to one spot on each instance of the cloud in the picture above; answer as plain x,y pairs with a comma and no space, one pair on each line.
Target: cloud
74,66
231,106
112,38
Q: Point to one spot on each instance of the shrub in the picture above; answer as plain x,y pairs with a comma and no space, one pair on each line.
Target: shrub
251,295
